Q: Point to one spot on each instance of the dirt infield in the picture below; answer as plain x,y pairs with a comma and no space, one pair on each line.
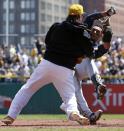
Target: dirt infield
117,123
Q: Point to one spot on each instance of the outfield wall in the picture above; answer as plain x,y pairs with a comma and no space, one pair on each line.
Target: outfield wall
113,101
47,100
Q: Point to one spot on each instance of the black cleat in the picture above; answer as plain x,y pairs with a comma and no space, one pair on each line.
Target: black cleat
94,117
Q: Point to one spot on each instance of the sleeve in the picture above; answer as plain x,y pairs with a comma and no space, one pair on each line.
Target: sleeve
87,47
107,34
99,52
90,19
48,35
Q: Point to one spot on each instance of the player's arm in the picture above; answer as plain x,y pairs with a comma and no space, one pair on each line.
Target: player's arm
90,19
95,16
48,35
102,49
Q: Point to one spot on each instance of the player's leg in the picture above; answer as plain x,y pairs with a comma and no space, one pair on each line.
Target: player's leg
81,70
83,106
48,72
66,89
88,69
82,103
39,78
96,79
81,73
85,70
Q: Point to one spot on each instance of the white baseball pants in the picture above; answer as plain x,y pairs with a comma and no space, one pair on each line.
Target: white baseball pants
82,103
86,69
46,73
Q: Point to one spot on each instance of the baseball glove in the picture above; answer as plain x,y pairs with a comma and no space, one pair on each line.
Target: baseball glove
100,91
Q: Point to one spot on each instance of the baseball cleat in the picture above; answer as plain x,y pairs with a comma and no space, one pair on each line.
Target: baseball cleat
80,119
8,120
94,117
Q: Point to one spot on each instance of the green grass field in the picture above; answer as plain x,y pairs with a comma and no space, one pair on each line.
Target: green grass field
62,117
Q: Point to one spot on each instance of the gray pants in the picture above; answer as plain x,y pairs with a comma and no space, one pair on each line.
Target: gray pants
86,69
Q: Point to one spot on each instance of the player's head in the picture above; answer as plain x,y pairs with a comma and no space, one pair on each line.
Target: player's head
96,31
75,13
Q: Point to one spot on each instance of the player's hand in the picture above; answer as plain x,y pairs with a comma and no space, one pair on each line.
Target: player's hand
107,22
111,11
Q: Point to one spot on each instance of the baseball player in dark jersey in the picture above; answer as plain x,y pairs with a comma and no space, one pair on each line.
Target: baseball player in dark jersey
64,49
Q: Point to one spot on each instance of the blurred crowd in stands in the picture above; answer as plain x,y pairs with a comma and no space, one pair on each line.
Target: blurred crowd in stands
111,65
16,63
